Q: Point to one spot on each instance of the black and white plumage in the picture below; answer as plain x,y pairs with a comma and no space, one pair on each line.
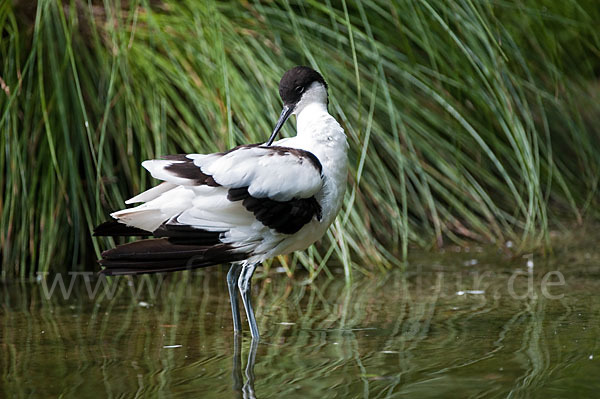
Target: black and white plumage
242,206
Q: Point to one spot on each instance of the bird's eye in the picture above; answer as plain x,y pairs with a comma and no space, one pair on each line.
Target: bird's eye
299,89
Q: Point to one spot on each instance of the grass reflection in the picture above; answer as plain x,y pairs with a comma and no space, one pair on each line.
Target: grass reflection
442,329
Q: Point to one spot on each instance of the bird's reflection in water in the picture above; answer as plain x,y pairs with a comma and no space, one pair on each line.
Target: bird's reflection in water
243,390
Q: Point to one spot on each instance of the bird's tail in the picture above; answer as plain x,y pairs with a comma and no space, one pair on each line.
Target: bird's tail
177,247
162,255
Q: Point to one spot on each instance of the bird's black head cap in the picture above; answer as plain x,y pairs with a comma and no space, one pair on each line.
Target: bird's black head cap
296,81
292,87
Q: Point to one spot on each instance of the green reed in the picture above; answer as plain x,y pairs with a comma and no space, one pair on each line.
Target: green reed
467,119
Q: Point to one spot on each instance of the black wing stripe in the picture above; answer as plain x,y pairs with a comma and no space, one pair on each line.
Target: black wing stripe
177,233
186,234
285,217
185,168
113,228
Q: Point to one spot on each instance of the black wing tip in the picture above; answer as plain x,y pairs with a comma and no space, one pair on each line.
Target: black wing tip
161,255
114,228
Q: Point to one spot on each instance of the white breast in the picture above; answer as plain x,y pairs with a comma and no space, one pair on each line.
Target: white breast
321,134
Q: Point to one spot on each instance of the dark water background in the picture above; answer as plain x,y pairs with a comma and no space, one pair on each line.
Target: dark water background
456,324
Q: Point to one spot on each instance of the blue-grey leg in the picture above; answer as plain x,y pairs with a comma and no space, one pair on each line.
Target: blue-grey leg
248,387
232,281
236,371
244,284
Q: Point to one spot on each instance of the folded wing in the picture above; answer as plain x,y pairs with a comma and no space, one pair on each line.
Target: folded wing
228,206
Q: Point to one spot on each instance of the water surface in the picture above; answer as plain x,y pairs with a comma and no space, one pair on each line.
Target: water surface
457,324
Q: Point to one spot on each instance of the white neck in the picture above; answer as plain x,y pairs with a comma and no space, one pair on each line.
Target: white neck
309,115
311,109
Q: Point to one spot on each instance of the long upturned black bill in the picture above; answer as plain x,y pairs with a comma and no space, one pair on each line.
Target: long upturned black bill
285,114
